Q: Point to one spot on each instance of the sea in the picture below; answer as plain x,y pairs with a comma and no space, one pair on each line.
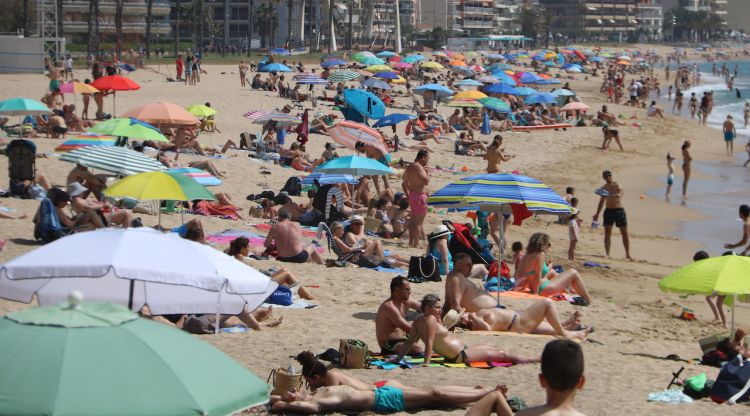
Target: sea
726,184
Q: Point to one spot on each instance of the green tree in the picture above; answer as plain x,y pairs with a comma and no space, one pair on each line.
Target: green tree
149,18
267,22
93,45
545,22
438,37
528,21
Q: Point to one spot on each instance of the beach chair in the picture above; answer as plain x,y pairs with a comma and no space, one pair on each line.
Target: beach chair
332,246
21,167
297,103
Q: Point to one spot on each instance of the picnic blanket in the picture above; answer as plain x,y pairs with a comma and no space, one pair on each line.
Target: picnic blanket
380,362
297,304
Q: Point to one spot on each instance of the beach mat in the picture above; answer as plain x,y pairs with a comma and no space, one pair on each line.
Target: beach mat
229,235
526,295
297,304
513,334
379,361
267,227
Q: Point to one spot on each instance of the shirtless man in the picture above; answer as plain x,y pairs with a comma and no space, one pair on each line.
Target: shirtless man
391,325
54,77
729,134
614,214
415,183
495,156
288,238
529,321
429,328
745,217
460,292
57,127
373,152
185,138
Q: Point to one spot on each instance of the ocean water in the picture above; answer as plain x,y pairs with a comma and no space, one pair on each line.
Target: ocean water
728,183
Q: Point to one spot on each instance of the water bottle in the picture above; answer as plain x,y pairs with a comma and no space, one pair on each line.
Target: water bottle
291,370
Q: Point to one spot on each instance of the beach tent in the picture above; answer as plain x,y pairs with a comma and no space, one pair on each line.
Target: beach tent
86,358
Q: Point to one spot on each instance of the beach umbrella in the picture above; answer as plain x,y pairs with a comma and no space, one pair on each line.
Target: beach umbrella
562,92
504,78
22,107
89,358
597,59
312,81
201,176
274,67
399,80
83,140
372,61
529,78
575,106
376,83
200,110
723,275
117,160
386,54
622,62
305,75
522,91
75,87
362,55
462,70
468,83
455,55
432,65
464,103
393,119
549,63
115,83
365,103
348,133
540,98
439,53
412,59
132,267
163,186
375,68
333,62
386,75
495,104
355,166
329,179
494,56
457,62
500,89
343,75
163,113
128,127
499,67
281,119
488,79
469,95
441,91
402,65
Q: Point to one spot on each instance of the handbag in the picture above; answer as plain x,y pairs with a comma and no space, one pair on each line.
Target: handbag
283,381
353,354
281,296
424,268
733,382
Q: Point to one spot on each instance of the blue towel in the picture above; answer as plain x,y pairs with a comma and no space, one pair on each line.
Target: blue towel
390,270
592,264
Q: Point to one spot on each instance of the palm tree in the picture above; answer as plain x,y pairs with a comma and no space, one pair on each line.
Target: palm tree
118,28
267,21
149,17
528,20
93,19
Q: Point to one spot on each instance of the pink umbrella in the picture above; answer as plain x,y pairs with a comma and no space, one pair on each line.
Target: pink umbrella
402,65
575,106
476,68
348,133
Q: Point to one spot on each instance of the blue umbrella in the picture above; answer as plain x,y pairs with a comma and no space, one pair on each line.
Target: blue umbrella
376,83
312,81
468,83
355,166
525,91
495,56
486,128
597,59
500,89
333,62
386,54
441,91
393,119
328,179
538,57
562,92
543,81
505,78
414,58
386,75
499,66
529,78
274,67
462,70
280,51
540,98
549,63
365,103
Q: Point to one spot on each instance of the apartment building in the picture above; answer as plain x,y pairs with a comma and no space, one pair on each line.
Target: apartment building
613,19
481,17
75,19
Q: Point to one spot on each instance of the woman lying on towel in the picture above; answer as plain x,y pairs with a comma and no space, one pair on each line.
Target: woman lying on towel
239,248
223,207
534,274
205,323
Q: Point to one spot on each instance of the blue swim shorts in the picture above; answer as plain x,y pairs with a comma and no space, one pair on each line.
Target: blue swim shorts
388,400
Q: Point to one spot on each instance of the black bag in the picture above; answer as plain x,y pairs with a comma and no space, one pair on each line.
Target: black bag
733,382
424,268
293,186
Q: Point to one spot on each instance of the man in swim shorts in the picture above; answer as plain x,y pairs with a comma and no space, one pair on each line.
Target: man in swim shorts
415,183
729,134
391,325
614,214
287,237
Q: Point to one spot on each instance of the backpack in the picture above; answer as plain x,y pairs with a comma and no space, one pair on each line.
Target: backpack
293,186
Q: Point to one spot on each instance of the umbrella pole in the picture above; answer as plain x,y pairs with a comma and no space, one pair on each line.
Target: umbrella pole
130,296
734,302
159,208
218,311
500,259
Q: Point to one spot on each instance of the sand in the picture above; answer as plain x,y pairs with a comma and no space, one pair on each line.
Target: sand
635,323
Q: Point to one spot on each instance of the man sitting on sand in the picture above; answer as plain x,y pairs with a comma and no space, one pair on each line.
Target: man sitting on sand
391,325
562,375
529,321
460,292
287,236
429,328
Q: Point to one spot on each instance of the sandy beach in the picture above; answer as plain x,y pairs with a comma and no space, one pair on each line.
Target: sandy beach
636,324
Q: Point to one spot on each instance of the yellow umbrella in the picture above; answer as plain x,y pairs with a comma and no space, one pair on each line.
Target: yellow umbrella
549,55
432,65
623,62
469,95
200,110
379,68
399,80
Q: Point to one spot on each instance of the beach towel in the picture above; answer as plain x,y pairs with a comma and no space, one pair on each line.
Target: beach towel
379,361
213,209
229,235
526,295
297,304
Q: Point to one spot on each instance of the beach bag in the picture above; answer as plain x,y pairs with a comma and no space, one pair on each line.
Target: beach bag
733,382
283,382
424,268
293,186
281,296
353,354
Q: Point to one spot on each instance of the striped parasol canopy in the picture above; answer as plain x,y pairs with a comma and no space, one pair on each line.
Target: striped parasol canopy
343,75
201,176
488,191
281,119
113,159
348,133
253,115
83,140
464,104
329,179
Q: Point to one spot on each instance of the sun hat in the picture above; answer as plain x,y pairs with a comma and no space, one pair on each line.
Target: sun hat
438,232
75,189
453,317
357,218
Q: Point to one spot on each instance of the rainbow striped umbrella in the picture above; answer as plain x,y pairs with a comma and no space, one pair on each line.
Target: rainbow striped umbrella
201,176
348,133
83,140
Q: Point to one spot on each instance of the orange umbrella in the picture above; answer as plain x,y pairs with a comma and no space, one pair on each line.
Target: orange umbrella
457,62
163,113
545,76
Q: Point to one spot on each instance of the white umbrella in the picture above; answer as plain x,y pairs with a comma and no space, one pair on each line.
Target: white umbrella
136,267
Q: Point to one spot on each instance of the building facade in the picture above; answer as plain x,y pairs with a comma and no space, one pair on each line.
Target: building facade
615,20
75,19
482,17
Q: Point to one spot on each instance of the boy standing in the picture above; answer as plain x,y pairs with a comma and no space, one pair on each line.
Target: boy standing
574,226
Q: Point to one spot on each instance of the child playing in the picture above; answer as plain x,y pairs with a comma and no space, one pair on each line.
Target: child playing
716,307
574,226
562,375
670,175
518,253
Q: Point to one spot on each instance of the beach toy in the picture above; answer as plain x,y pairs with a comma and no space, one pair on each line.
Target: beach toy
464,169
601,192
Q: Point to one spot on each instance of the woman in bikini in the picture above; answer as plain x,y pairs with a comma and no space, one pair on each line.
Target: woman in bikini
533,272
436,338
686,162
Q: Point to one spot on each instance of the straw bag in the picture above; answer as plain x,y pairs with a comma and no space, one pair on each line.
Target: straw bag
283,381
354,354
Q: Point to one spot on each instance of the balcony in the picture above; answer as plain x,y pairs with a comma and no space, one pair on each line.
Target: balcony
127,28
108,7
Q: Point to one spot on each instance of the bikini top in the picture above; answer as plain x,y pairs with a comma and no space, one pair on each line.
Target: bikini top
545,270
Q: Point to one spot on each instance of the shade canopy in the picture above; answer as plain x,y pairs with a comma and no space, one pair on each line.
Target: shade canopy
103,263
441,91
274,67
75,87
355,166
201,176
163,113
724,275
20,106
348,133
393,119
281,119
112,159
343,75
469,95
201,110
83,140
168,186
365,103
115,83
540,98
128,127
329,179
99,358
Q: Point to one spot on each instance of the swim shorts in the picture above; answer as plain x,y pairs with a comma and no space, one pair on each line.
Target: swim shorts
389,347
299,258
418,204
386,160
388,400
615,216
670,179
728,136
54,85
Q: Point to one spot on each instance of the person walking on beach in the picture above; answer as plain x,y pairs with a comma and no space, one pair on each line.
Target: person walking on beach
704,109
745,217
243,72
693,105
670,175
729,134
746,112
415,183
747,149
614,213
686,162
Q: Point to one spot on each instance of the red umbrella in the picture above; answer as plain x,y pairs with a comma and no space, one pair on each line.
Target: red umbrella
115,83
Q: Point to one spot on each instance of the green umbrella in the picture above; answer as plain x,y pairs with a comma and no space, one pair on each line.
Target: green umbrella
200,110
101,359
129,127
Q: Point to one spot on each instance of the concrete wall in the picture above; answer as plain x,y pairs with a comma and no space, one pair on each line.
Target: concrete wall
21,54
738,15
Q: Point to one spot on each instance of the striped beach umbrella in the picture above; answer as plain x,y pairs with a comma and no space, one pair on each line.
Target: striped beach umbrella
253,115
83,140
329,179
348,133
495,104
281,119
113,159
343,75
464,104
201,176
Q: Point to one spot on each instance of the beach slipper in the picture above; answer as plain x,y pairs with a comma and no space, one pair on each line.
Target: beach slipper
579,301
